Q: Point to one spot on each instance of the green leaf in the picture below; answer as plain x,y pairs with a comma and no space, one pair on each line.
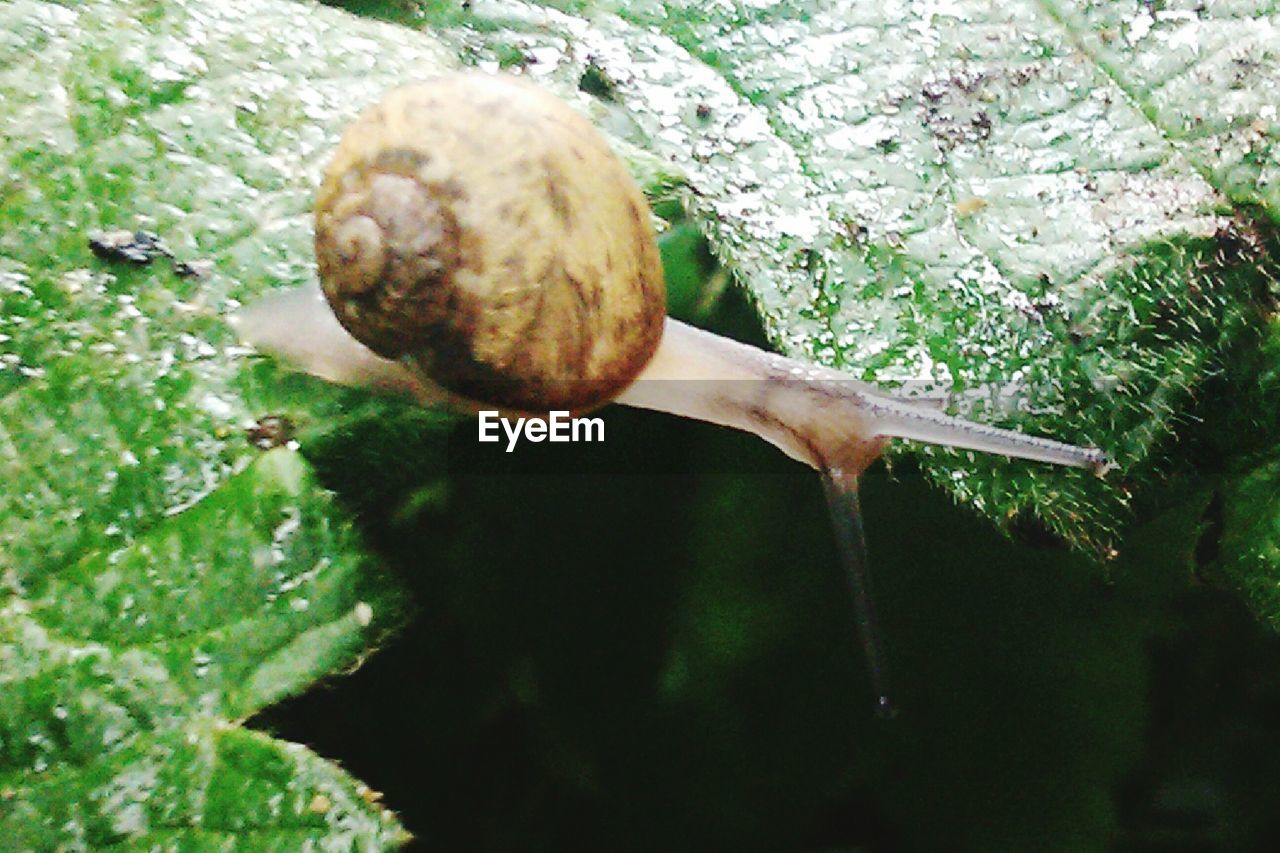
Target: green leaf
160,578
123,673
1058,212
204,787
1250,555
1051,211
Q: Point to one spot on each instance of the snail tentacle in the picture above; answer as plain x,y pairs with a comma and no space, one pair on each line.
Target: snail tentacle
483,247
817,415
479,246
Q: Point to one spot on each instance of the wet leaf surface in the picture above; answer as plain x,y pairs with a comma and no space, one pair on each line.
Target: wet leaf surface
160,577
1060,214
1057,214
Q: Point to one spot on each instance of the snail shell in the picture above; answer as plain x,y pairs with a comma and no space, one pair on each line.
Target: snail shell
479,230
480,246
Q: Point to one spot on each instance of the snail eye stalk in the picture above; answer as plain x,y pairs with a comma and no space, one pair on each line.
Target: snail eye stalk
841,492
416,203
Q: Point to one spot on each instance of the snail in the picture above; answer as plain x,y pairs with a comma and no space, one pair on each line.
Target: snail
480,246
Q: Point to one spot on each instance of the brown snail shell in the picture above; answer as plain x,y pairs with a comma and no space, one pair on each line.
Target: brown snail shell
480,246
477,236
480,230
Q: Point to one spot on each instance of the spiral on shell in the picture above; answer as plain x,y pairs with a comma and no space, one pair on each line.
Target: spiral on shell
482,231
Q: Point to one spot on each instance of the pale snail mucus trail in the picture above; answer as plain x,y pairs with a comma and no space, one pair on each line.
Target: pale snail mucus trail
480,247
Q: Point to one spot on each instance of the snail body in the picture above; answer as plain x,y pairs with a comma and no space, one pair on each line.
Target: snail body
480,246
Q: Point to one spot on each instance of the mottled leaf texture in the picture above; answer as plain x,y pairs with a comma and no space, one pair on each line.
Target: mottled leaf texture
1061,214
123,674
161,578
1054,212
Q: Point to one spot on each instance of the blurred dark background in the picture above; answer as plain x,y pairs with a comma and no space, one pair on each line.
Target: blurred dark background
648,644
